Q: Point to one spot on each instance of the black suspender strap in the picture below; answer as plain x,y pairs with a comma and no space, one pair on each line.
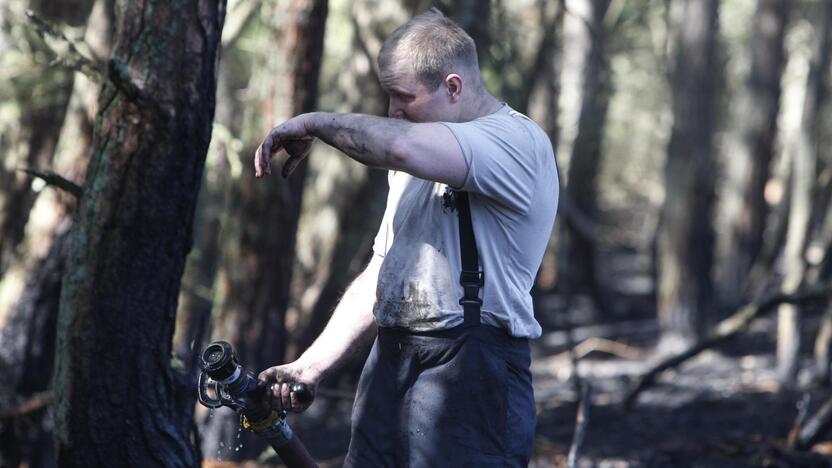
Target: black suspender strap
470,277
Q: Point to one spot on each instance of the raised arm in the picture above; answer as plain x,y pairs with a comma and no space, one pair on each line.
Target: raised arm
426,150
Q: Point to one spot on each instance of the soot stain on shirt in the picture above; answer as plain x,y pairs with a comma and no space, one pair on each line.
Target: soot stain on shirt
448,200
414,307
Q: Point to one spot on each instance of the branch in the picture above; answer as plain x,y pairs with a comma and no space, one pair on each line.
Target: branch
36,402
236,21
56,180
71,57
815,427
581,424
118,73
799,420
729,328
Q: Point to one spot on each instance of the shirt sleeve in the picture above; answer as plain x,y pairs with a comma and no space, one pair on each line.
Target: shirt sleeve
501,159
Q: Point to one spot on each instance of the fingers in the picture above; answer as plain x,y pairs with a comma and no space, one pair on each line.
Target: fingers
280,380
291,139
283,398
298,150
262,165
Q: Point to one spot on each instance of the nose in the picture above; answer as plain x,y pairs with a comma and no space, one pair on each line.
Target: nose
394,111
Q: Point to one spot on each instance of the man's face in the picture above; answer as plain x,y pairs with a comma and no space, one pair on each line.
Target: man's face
411,100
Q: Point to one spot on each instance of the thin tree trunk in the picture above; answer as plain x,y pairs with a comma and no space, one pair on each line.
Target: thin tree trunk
585,162
685,237
30,291
748,168
804,163
26,357
260,225
118,401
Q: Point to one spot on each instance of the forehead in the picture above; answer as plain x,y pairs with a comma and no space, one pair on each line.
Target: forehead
399,78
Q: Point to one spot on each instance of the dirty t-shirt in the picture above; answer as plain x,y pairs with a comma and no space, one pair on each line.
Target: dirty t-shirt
513,186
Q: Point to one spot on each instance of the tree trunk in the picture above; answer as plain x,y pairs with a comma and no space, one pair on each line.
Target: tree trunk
685,237
26,356
804,163
259,229
748,168
585,162
30,290
118,401
541,104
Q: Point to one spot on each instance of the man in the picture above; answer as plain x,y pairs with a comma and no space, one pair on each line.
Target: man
447,382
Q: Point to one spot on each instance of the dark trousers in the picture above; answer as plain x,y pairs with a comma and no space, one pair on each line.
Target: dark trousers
451,398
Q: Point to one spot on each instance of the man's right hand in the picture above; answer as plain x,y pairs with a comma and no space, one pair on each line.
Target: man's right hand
280,380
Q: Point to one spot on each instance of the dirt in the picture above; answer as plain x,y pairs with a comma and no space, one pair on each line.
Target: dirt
723,408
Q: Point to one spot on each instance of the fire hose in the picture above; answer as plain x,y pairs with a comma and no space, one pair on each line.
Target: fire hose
224,382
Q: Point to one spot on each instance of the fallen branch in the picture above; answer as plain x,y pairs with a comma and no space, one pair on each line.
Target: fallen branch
71,57
581,424
604,345
726,329
36,402
815,427
800,419
56,180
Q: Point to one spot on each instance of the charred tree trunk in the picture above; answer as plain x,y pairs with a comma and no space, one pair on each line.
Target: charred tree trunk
804,163
585,162
26,357
259,231
541,105
685,237
748,168
118,401
30,292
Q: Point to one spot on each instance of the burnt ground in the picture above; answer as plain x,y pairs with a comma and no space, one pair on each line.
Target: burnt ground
723,408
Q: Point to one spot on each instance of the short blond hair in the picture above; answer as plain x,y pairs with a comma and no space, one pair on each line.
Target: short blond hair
433,46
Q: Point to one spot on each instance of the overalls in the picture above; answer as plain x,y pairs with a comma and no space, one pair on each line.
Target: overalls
447,398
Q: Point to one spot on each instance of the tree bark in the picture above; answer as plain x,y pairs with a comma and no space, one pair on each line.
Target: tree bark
30,291
685,237
585,161
118,401
748,168
26,355
804,163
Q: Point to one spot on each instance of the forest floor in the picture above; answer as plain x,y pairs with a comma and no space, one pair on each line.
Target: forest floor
722,408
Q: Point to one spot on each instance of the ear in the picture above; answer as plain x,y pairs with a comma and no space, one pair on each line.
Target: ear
453,84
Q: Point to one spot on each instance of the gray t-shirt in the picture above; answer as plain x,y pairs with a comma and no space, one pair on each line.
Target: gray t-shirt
513,186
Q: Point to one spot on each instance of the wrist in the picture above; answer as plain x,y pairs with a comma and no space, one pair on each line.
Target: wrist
312,370
310,122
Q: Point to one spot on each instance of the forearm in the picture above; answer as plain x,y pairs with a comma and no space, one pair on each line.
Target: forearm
374,141
351,325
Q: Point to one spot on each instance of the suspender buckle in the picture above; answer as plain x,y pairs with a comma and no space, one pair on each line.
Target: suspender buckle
472,282
469,279
467,301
